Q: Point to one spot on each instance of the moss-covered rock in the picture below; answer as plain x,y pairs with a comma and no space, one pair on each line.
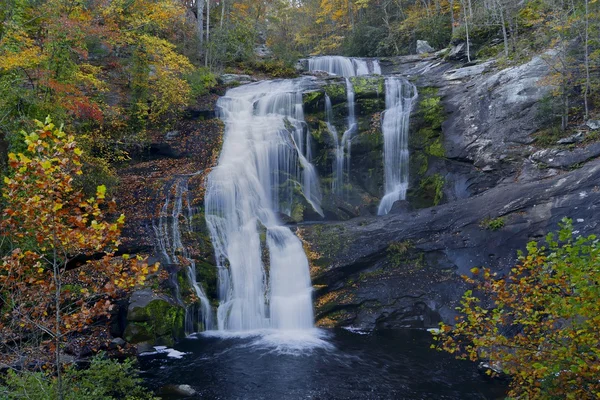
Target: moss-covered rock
336,90
313,100
154,319
428,193
426,146
368,86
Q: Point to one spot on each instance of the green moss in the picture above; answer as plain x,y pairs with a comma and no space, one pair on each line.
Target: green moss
429,192
436,149
336,92
297,213
368,86
157,322
312,100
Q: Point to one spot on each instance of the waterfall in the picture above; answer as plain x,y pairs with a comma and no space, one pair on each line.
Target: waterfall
346,67
168,237
400,96
264,279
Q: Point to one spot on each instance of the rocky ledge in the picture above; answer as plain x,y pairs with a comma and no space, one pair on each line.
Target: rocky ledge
403,269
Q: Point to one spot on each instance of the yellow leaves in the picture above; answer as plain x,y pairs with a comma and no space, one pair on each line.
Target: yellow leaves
101,191
78,151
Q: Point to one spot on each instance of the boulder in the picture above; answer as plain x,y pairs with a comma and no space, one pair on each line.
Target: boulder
576,138
423,47
154,319
593,124
458,52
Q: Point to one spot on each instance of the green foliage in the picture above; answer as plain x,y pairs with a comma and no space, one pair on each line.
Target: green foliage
233,43
105,379
201,80
492,224
540,323
436,149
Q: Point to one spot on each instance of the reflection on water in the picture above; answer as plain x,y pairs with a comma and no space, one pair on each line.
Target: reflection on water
342,365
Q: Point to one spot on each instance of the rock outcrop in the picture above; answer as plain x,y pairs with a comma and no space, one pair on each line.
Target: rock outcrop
402,270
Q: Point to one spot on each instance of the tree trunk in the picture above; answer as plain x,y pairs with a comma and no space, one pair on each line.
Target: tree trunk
207,33
222,13
200,23
587,61
467,30
504,35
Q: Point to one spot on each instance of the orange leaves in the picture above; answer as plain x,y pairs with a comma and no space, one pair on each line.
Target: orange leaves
53,227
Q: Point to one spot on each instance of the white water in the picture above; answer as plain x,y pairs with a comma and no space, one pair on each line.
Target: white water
346,67
264,163
400,95
168,234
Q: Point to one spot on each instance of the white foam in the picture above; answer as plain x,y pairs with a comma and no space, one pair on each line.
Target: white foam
171,353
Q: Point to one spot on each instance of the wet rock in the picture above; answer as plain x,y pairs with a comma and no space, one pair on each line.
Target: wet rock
144,347
400,206
423,47
468,72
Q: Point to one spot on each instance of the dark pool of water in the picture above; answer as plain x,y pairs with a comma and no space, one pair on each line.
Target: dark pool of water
382,365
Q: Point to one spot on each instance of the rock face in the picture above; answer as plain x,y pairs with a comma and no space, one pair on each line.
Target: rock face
482,163
402,270
474,157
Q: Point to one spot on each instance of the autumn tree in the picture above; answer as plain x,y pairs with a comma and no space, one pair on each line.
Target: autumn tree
539,324
61,273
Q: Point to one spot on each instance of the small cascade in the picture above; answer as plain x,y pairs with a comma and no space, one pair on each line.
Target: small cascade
264,279
346,67
338,162
400,96
168,234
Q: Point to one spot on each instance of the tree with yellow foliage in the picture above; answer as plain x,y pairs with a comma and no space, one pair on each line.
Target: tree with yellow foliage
61,274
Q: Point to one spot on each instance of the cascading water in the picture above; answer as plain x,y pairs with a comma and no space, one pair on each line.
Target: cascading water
400,96
168,234
346,67
264,279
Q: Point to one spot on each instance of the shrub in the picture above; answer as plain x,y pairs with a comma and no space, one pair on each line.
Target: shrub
105,379
540,323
